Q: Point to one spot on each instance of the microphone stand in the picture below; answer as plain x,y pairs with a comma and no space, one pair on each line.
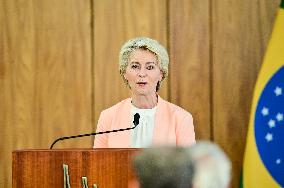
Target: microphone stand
135,122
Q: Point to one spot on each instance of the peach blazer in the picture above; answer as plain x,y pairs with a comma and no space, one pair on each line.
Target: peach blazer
173,126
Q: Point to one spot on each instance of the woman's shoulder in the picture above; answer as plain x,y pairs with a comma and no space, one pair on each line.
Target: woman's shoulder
118,106
174,109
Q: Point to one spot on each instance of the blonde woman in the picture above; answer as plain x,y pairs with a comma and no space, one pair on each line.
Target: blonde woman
143,65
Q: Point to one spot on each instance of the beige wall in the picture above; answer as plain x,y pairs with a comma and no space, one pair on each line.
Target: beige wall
58,66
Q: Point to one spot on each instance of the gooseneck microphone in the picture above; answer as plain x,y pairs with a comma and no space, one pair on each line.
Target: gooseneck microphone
135,122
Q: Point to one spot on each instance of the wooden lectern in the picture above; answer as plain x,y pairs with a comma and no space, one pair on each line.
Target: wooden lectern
106,168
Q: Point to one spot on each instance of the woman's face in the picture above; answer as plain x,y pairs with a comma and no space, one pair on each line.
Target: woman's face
143,72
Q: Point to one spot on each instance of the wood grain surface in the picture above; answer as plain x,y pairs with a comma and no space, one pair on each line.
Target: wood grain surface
110,168
46,78
190,65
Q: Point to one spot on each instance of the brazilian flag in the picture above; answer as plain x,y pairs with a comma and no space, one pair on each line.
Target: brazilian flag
264,154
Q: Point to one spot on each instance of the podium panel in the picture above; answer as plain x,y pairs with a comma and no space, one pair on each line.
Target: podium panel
44,168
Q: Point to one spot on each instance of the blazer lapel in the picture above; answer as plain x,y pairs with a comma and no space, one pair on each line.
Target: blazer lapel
125,122
160,119
121,120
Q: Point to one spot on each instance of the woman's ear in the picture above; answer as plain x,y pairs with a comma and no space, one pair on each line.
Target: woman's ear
125,77
161,76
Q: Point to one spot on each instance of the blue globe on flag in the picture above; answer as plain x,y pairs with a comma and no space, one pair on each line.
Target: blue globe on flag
269,126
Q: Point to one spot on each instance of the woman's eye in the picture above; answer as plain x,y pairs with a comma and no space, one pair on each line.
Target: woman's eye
134,66
150,67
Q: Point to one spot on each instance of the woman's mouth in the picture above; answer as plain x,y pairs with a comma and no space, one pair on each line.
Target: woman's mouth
141,83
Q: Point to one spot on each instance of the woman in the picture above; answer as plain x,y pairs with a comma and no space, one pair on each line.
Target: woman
143,65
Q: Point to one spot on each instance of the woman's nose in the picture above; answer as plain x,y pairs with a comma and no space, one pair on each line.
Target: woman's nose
142,73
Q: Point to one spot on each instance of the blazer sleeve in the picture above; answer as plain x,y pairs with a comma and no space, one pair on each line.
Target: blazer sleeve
185,134
101,141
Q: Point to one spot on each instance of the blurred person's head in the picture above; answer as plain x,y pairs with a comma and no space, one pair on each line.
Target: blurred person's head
212,166
164,167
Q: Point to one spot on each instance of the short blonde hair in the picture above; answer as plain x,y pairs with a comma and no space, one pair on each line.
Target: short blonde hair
145,44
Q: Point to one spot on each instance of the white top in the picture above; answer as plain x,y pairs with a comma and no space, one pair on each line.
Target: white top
141,136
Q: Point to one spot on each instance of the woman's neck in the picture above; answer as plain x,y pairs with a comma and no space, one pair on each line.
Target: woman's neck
145,101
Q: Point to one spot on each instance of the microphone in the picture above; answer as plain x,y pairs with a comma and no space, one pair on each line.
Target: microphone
136,119
135,122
